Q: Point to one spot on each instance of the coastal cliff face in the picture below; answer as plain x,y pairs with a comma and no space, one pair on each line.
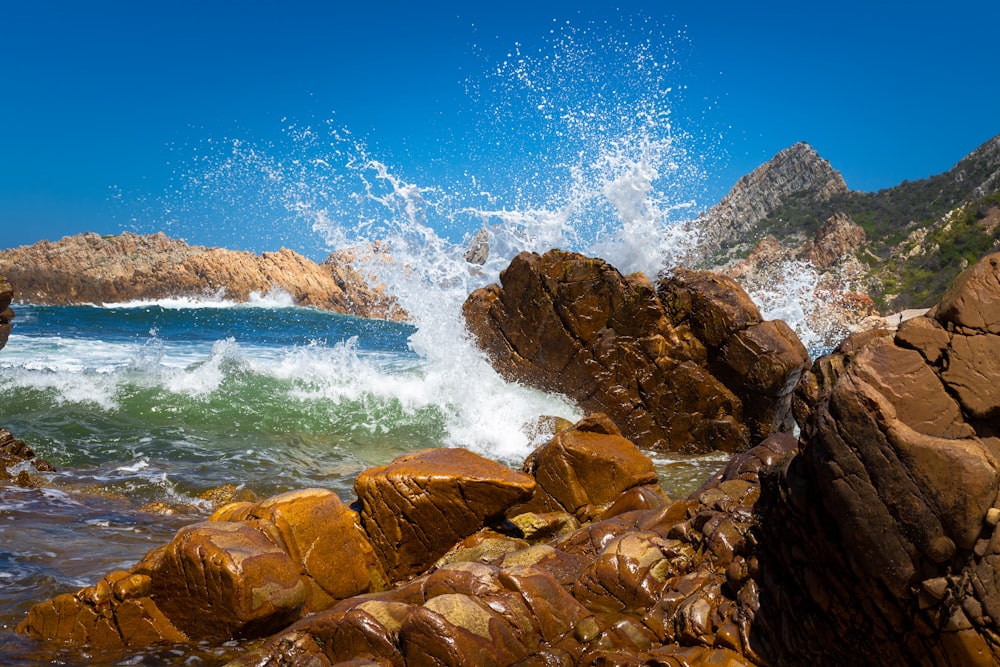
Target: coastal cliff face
89,268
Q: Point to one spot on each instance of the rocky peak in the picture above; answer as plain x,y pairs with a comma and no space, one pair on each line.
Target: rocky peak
795,171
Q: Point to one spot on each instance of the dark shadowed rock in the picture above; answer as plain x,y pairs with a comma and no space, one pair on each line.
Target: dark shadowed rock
892,502
6,314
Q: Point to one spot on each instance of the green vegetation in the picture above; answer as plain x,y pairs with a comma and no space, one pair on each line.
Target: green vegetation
906,273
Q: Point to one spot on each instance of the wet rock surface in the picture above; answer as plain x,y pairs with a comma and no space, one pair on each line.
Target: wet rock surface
6,314
869,539
655,359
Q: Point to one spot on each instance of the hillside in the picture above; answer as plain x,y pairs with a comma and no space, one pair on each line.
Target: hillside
900,246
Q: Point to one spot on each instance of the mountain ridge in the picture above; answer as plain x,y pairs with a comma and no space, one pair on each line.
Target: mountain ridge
900,246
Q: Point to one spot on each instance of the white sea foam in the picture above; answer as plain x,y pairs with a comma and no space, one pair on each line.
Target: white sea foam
274,298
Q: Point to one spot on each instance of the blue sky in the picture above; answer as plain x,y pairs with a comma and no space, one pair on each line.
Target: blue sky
104,105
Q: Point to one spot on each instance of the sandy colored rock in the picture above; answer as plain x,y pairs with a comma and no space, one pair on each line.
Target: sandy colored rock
89,268
422,503
219,580
323,535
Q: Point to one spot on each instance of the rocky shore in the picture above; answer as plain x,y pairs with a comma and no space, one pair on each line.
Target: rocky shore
870,538
89,268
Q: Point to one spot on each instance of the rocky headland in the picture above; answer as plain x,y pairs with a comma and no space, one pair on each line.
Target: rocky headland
870,538
89,268
873,252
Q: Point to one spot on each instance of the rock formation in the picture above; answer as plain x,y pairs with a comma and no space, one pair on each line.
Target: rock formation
838,304
796,171
919,234
89,268
678,367
6,314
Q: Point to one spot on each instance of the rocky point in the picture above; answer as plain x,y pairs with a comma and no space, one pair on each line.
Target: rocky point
89,268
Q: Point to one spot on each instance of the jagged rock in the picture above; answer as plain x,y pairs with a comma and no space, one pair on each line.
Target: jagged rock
15,453
90,268
838,238
479,248
6,314
418,506
795,171
892,502
874,538
571,324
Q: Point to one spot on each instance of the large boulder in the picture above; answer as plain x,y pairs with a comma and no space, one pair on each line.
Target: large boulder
250,570
649,358
879,541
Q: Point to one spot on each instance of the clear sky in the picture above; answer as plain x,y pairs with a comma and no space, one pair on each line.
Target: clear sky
105,106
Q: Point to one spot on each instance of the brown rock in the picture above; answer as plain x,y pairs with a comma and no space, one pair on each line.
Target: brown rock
713,305
837,237
574,325
6,314
584,469
418,506
219,580
323,535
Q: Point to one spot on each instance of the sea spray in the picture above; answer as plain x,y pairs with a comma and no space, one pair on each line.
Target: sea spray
575,145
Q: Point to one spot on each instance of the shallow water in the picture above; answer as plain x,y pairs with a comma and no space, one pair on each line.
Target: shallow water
152,406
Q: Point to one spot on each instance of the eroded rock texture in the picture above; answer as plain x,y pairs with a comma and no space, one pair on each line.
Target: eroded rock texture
879,542
870,540
685,366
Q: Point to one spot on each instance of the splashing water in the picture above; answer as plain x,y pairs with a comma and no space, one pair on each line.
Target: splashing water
575,146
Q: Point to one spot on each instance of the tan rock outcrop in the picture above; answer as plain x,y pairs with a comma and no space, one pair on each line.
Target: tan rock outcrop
89,268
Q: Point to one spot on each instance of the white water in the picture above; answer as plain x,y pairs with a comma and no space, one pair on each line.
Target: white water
577,146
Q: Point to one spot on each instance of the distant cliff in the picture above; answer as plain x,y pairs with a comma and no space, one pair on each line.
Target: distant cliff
89,268
797,171
900,246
